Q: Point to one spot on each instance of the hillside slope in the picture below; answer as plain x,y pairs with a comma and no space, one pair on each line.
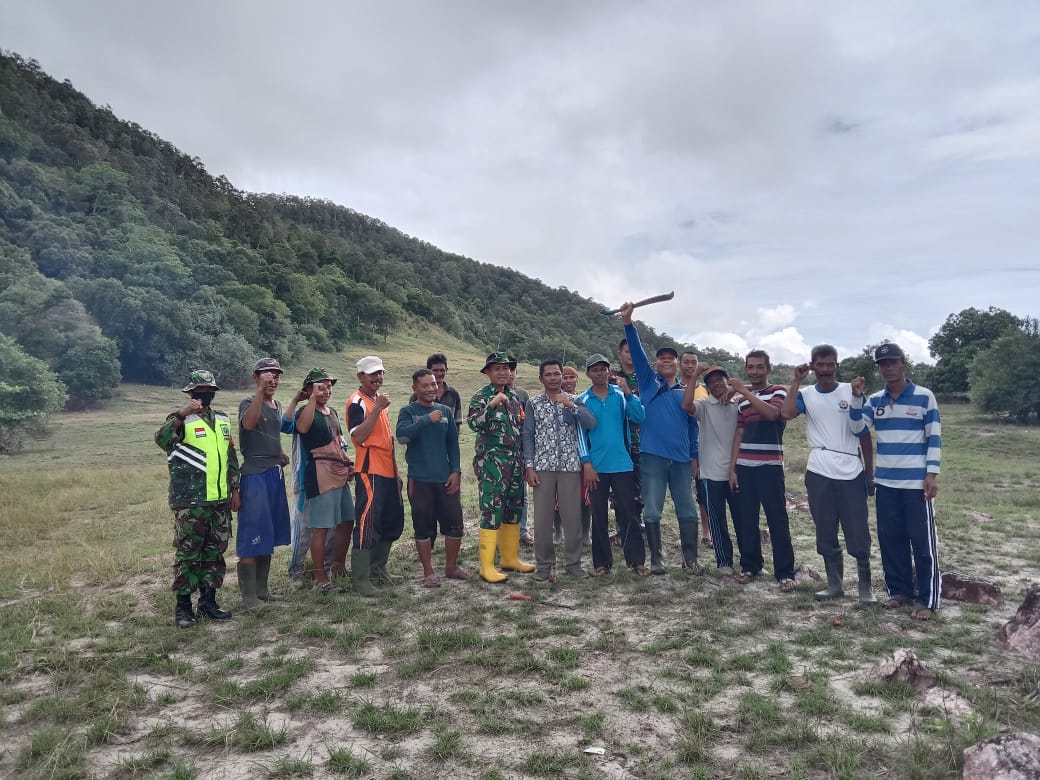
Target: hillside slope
121,242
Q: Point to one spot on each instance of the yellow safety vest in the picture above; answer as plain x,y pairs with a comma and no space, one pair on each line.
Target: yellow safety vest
206,449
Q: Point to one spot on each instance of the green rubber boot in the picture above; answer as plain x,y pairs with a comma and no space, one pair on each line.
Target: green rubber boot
360,571
247,586
380,557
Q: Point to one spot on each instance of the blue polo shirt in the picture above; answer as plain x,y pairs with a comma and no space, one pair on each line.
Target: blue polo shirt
909,434
607,443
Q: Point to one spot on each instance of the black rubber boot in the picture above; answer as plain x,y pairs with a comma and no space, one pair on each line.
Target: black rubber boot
866,594
208,605
688,543
653,541
184,616
835,566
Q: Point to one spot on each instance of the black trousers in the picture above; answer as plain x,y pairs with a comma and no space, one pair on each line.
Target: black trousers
763,486
623,486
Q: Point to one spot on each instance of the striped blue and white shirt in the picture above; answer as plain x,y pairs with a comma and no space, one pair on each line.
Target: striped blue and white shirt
908,434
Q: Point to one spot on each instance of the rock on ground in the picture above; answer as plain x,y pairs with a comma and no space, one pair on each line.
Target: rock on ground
1012,756
903,665
1021,634
960,587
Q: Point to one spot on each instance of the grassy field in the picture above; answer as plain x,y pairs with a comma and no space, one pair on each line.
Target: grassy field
673,677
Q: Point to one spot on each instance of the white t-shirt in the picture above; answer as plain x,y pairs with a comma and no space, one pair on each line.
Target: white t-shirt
833,449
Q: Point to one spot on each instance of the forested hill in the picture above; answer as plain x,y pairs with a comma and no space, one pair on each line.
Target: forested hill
120,256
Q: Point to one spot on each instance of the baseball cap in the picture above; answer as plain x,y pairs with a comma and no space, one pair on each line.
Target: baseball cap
267,364
888,352
592,360
713,369
667,351
369,364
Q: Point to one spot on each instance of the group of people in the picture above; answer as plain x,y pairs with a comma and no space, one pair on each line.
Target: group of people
634,436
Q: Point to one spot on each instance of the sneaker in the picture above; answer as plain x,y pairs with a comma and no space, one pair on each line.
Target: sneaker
542,575
725,571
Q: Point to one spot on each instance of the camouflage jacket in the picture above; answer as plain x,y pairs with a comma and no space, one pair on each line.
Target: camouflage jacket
191,477
498,429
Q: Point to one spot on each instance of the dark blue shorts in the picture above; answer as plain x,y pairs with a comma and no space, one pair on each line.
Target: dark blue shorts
263,518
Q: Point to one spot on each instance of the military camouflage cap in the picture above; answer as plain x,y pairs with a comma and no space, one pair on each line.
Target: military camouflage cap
318,375
496,358
201,378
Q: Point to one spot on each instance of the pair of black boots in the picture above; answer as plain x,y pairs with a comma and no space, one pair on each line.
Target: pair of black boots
184,616
687,540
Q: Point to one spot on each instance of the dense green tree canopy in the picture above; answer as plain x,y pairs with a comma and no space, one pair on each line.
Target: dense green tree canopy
1001,375
126,246
29,392
959,339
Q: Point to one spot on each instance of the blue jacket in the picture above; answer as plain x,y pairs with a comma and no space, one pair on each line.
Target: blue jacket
668,431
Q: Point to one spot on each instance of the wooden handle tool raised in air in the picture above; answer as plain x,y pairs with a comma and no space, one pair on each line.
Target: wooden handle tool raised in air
644,302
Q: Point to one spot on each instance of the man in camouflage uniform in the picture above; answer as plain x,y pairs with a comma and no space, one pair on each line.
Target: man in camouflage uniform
204,481
496,416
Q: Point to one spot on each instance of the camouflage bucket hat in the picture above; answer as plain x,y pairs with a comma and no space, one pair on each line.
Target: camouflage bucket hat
201,378
498,358
318,375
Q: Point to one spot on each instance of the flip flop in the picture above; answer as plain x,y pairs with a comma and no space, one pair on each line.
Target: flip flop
895,602
600,571
433,581
744,578
787,585
458,573
642,571
920,612
325,587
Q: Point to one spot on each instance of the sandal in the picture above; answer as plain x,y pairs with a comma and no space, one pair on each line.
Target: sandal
787,585
895,602
458,573
600,571
744,578
433,581
921,612
642,571
325,587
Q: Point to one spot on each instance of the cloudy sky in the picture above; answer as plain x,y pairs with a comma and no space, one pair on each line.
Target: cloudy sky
797,172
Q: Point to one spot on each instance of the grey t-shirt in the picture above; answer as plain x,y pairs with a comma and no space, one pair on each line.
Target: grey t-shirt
718,426
261,447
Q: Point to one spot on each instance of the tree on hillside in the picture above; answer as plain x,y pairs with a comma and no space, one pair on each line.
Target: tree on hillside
29,393
959,339
1001,374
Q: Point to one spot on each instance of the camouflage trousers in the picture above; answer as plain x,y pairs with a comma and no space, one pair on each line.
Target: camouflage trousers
200,538
501,488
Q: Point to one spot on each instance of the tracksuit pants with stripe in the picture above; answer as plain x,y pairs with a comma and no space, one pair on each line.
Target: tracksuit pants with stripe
907,539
